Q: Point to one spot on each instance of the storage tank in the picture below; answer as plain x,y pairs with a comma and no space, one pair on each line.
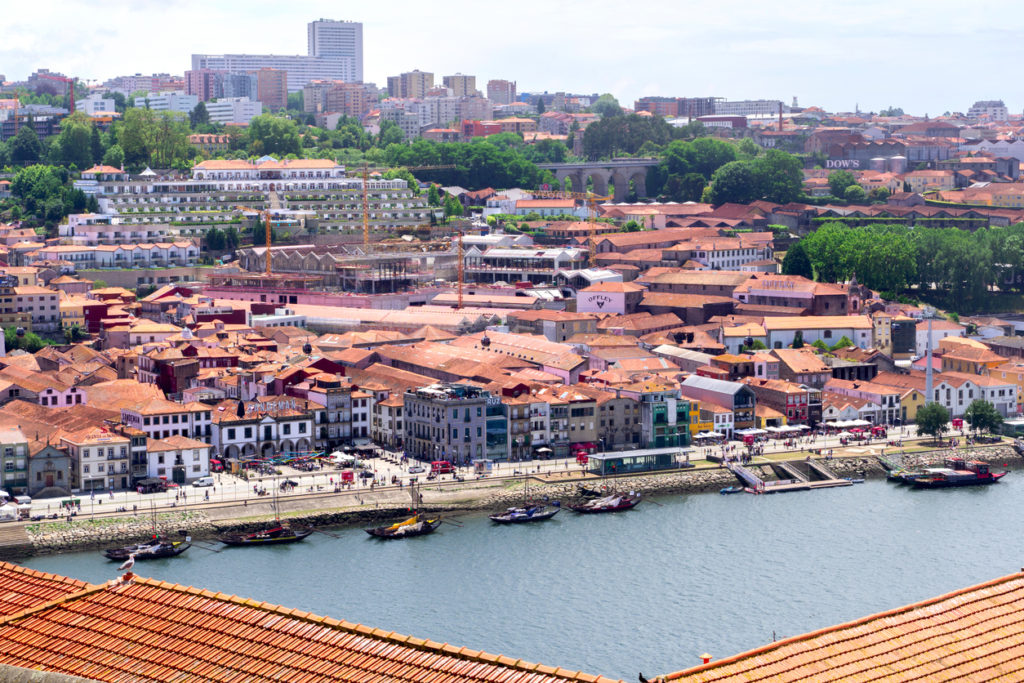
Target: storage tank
898,164
878,164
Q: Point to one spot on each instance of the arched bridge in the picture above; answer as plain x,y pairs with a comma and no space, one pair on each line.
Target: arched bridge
618,172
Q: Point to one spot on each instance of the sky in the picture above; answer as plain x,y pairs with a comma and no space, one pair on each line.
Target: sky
926,56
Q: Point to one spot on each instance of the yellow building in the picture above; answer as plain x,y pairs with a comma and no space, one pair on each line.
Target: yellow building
910,401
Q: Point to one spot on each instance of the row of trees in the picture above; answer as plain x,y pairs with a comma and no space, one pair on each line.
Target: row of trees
933,418
891,258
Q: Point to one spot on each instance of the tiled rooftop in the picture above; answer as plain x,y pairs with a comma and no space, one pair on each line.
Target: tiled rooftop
22,588
142,629
974,634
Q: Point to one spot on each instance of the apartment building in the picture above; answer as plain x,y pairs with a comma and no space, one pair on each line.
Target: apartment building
100,459
446,421
520,265
267,427
410,84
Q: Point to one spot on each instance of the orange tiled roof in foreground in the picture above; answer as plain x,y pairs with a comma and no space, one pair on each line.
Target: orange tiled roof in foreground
973,634
22,588
142,629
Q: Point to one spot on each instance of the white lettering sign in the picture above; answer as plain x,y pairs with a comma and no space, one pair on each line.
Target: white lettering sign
842,163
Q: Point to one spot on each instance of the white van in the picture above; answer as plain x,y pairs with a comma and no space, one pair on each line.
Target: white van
23,500
204,481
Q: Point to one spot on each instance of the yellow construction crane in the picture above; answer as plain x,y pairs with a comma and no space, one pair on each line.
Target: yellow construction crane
266,220
366,197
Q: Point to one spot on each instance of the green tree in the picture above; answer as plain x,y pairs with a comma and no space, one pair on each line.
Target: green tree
820,345
73,145
25,147
231,237
136,135
606,105
843,343
268,134
735,182
879,195
452,206
114,156
779,176
540,105
199,115
855,194
686,188
99,284
433,196
40,190
983,416
390,134
214,239
798,340
891,111
838,181
74,334
797,262
932,419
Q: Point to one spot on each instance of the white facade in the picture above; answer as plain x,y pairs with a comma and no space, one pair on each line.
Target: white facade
172,420
233,110
939,332
95,104
601,302
168,101
338,39
301,69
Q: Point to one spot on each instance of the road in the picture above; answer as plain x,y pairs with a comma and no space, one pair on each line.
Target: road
233,489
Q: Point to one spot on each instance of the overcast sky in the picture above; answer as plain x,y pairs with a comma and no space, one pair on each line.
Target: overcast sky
927,56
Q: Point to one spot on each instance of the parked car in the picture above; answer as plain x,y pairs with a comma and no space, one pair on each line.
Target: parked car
203,481
416,469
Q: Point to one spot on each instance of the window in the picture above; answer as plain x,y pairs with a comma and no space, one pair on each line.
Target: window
85,469
231,433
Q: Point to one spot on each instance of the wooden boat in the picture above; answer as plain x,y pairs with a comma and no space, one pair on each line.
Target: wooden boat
417,525
530,513
150,550
613,503
273,535
731,489
962,473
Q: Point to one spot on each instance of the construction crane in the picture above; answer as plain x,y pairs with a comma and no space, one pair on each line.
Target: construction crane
366,196
70,83
266,221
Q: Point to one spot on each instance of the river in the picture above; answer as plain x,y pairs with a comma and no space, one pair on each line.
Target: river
647,590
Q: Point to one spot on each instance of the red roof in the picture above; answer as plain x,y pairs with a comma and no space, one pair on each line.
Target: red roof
142,629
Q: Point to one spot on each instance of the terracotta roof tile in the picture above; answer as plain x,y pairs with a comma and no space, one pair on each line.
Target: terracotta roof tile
971,634
152,630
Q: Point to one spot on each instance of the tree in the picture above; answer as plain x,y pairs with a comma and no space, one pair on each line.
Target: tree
452,206
540,105
114,156
891,111
779,176
820,345
199,115
74,333
73,145
855,194
879,195
390,134
606,105
843,343
99,284
28,341
735,182
269,134
932,419
25,147
983,416
214,239
231,237
798,339
838,181
433,196
797,262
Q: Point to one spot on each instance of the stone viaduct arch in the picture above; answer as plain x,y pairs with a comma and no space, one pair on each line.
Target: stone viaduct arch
601,174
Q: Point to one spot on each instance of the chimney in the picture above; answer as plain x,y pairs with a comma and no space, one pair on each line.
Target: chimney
706,658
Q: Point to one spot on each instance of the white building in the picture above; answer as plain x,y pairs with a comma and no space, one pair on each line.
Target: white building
168,101
993,110
940,330
331,39
781,330
95,104
233,110
301,69
178,458
161,419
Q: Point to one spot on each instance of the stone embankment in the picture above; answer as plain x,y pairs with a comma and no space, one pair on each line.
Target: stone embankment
86,534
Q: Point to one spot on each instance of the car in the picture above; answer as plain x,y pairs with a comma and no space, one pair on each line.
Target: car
203,481
365,474
416,469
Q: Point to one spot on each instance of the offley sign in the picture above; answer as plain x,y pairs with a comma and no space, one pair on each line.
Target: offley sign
842,163
599,300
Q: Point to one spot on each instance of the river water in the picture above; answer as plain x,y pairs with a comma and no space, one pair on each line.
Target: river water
647,590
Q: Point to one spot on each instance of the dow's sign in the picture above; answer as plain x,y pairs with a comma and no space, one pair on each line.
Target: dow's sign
842,163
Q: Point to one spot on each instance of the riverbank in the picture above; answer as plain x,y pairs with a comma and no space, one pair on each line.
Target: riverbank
368,507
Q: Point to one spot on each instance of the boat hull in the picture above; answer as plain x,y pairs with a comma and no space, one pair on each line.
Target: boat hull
958,482
238,540
166,550
387,533
621,507
508,518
